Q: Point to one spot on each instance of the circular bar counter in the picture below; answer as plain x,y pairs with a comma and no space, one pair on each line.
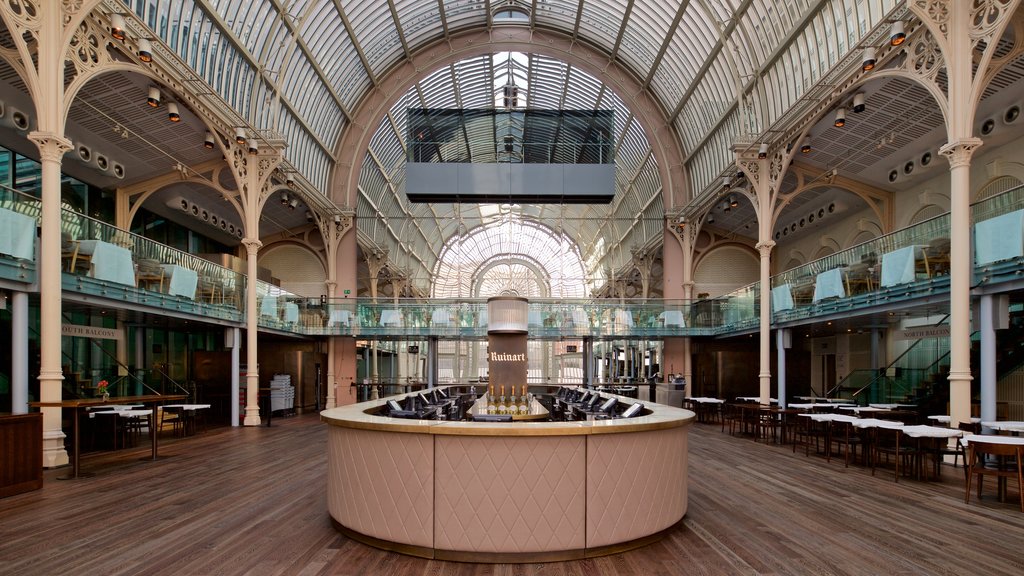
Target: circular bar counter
506,492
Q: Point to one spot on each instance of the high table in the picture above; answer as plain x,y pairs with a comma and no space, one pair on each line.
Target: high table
79,404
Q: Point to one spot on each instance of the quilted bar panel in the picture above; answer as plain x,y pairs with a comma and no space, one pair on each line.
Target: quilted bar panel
636,484
509,494
381,483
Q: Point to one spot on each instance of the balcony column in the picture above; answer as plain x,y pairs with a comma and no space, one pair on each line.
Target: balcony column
51,149
19,353
252,376
987,332
331,287
765,326
687,351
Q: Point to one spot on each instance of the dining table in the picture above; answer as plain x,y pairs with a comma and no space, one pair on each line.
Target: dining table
1013,426
78,405
188,413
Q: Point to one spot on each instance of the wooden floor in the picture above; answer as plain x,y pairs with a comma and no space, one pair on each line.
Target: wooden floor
251,501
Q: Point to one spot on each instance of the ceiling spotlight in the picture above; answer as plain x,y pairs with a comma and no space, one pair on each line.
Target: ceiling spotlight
208,142
762,152
726,181
294,202
284,198
254,147
309,216
117,26
337,218
726,207
733,202
805,146
858,102
172,112
840,117
289,180
240,136
868,63
154,97
145,50
898,34
711,218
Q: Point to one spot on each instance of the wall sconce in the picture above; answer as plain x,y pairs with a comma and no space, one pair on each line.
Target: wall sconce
145,50
117,26
153,99
840,118
868,63
898,34
208,142
172,112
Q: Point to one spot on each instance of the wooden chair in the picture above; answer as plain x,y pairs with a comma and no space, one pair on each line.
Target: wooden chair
888,441
172,418
805,432
845,435
978,452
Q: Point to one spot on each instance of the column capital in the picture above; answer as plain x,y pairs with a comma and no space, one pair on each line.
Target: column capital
252,245
52,146
765,247
960,151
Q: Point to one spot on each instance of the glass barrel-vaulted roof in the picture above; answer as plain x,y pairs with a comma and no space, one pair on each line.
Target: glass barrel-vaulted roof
633,218
718,69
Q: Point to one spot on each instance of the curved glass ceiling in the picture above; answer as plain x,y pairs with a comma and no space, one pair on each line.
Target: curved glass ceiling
510,256
387,218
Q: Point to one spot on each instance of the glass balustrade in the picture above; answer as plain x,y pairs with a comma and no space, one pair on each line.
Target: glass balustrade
101,259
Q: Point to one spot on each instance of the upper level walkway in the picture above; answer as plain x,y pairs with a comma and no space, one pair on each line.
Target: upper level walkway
111,267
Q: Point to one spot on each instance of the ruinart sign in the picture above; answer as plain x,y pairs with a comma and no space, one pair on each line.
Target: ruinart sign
505,357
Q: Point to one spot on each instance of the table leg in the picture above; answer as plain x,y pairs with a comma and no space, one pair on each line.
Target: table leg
153,430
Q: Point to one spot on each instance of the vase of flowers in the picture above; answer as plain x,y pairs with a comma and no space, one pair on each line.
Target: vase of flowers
103,390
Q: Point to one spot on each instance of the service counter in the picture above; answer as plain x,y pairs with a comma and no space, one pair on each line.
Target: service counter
506,492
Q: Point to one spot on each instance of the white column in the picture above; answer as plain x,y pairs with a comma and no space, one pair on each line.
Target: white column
19,353
332,385
988,359
51,150
765,374
959,155
252,377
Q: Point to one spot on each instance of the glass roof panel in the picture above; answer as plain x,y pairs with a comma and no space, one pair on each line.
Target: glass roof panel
418,19
601,21
375,31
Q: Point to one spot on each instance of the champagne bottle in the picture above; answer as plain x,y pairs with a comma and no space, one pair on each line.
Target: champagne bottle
492,406
524,405
502,407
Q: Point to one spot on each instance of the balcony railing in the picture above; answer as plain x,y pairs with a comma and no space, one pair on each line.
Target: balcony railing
102,260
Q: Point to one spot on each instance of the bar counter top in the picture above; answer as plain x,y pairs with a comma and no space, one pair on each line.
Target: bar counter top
362,416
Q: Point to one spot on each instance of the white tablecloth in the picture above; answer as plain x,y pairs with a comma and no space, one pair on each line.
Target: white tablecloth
390,318
109,262
999,238
182,281
829,285
268,307
291,312
17,234
672,318
339,317
945,419
898,266
782,298
1005,425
